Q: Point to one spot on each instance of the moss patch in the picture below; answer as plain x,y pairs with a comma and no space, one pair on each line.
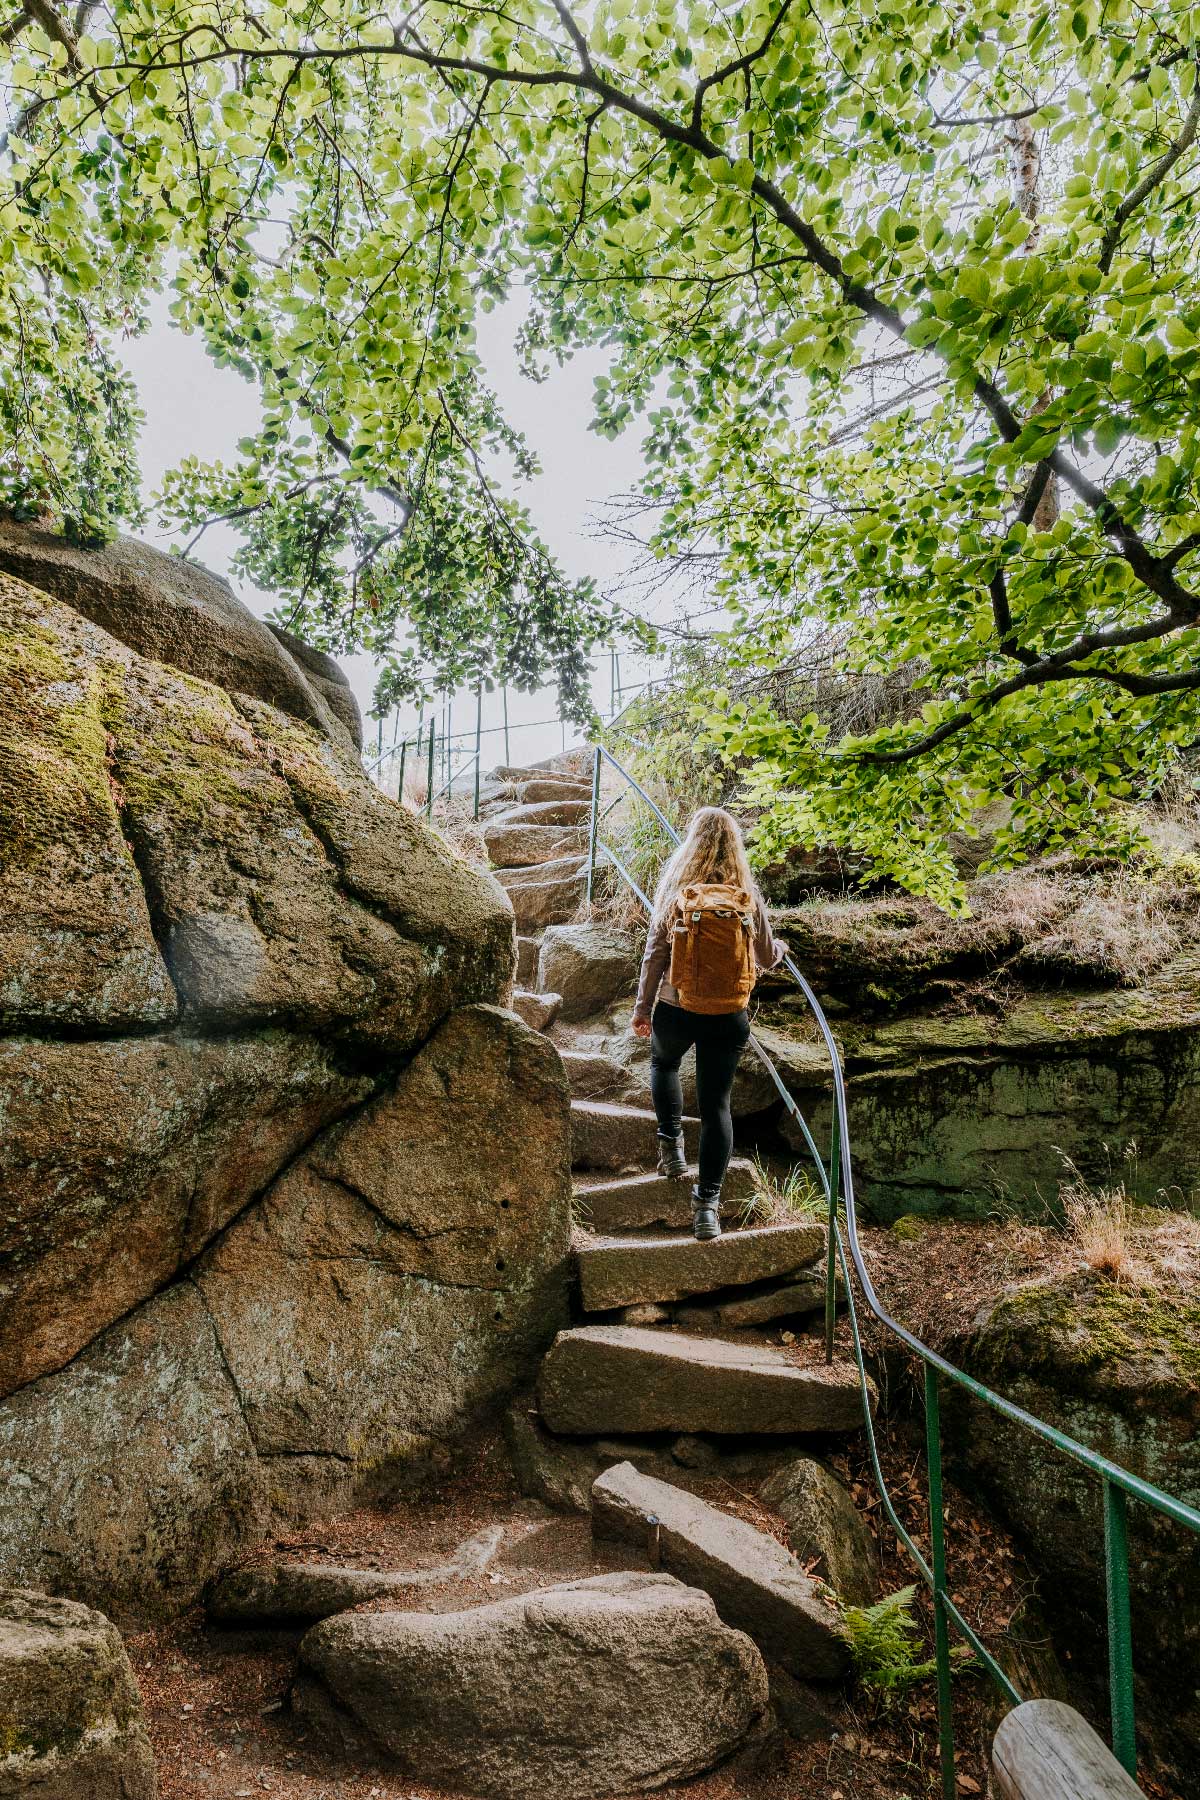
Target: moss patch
1088,1326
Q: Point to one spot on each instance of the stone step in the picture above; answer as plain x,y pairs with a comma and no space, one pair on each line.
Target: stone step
609,1136
538,1010
626,1271
595,1076
756,1585
794,1299
546,812
637,1202
599,1379
559,868
552,901
528,846
543,788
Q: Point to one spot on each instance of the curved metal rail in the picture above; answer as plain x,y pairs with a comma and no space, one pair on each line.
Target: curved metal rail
837,1184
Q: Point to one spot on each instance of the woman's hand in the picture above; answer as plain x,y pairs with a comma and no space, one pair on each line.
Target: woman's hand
641,1027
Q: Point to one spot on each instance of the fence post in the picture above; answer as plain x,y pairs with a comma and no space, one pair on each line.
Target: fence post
504,695
1120,1634
937,1541
403,758
448,784
429,782
593,823
835,1182
478,739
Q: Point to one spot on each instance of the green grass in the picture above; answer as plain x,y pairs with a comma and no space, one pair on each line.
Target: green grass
778,1199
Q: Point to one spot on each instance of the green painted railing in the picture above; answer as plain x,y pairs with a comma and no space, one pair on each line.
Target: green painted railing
836,1178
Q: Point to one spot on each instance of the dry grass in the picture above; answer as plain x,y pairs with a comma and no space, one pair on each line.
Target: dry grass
454,822
1100,1224
1121,929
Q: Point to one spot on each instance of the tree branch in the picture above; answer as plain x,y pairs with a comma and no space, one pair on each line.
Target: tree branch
1156,174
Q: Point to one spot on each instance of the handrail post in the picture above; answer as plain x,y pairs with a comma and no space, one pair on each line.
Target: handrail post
429,779
478,739
937,1544
1120,1634
504,697
403,757
835,1180
594,824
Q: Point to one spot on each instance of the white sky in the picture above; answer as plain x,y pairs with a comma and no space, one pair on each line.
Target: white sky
194,408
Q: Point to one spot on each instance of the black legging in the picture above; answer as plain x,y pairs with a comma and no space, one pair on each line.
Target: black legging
720,1039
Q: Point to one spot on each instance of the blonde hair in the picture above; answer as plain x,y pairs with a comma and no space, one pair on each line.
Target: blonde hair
713,850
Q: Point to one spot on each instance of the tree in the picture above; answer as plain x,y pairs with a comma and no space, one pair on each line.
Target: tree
907,295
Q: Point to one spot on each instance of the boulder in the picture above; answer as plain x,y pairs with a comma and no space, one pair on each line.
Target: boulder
590,965
179,613
407,1271
756,1585
329,679
621,1271
71,1723
539,1011
600,1379
488,1701
825,1529
78,951
523,846
120,1159
940,1105
280,886
230,943
130,1477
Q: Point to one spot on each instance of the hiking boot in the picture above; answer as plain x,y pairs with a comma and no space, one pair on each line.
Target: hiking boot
672,1157
706,1213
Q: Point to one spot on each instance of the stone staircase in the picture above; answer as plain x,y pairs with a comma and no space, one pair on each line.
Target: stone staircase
673,1338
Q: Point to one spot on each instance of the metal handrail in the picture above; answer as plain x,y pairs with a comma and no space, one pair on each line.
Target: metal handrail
837,1183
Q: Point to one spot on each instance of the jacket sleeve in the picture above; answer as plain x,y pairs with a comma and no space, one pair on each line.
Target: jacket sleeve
654,966
769,951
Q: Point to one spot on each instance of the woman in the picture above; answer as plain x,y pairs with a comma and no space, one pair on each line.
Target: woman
722,918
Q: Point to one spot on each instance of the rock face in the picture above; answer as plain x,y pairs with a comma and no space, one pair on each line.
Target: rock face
181,614
1118,1369
948,1115
619,1684
71,1724
261,1243
407,1270
589,965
